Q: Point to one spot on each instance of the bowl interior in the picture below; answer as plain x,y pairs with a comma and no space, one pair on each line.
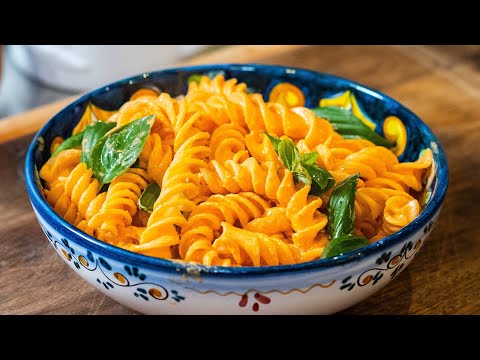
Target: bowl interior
259,78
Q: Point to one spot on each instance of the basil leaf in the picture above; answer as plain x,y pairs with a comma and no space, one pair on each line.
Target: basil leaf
274,140
303,167
343,244
70,143
194,78
349,126
341,216
315,189
287,153
93,133
309,158
117,150
148,197
322,179
295,150
301,174
341,206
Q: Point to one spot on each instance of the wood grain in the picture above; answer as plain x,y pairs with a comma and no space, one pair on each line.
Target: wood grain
19,125
439,83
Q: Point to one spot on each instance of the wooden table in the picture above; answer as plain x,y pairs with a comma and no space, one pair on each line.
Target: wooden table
439,83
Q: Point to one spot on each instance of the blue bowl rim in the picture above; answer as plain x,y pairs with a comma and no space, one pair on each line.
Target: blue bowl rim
173,266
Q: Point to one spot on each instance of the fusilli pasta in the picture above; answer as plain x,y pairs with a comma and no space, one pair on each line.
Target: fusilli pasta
226,197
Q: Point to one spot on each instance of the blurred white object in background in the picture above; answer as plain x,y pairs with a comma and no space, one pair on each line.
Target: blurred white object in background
36,74
84,67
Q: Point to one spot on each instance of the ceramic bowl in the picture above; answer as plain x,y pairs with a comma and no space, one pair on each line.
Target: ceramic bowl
158,286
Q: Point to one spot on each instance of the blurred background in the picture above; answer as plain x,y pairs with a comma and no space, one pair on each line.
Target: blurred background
33,75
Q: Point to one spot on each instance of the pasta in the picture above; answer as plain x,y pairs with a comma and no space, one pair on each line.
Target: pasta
205,222
230,192
156,157
249,175
255,249
118,206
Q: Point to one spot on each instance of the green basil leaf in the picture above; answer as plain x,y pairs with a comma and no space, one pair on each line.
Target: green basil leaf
343,244
322,179
303,167
70,143
194,78
295,151
274,140
287,153
117,150
315,189
309,158
349,126
341,206
148,197
301,174
93,133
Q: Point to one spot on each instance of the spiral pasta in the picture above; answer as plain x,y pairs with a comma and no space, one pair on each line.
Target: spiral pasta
180,188
61,203
307,222
263,179
59,166
207,87
253,248
119,206
82,190
225,196
381,169
399,211
274,222
260,147
277,119
205,221
156,157
228,143
54,173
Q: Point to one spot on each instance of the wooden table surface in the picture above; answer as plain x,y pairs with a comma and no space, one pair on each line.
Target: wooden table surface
441,84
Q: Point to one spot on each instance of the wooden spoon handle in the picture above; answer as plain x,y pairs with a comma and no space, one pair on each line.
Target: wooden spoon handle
22,124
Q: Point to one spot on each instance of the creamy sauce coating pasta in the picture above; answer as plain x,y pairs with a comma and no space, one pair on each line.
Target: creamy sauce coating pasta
225,197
